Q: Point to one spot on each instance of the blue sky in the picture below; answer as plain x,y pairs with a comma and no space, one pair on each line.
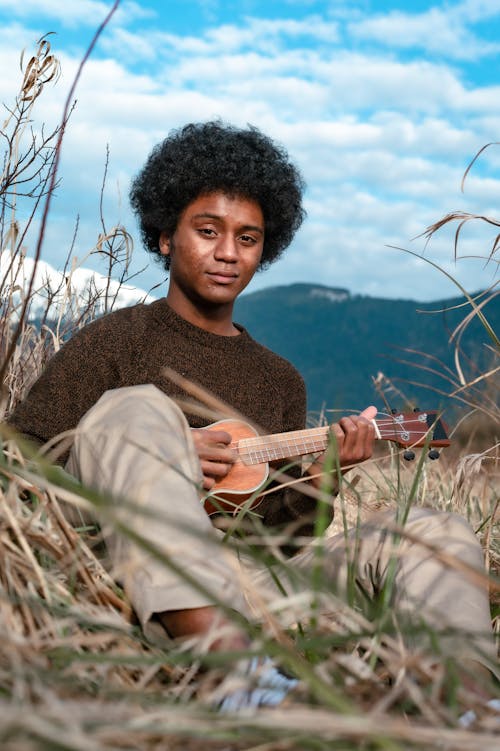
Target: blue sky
381,104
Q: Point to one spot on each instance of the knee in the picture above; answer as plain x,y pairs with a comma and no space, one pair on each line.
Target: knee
448,531
436,522
140,408
136,427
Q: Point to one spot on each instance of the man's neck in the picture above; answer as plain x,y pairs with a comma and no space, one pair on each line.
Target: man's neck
217,319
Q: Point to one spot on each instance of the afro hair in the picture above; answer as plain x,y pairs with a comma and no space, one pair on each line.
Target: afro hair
204,158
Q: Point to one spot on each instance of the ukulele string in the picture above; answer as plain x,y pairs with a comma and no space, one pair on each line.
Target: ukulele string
295,443
260,448
307,436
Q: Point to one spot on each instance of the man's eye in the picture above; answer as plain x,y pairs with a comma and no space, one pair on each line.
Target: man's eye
248,239
207,231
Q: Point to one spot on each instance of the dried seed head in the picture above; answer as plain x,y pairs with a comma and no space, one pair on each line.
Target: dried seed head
42,68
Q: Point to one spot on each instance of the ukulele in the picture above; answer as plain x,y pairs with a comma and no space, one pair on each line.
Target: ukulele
253,452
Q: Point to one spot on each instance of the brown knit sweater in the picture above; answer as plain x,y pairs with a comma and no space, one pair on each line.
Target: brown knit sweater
131,347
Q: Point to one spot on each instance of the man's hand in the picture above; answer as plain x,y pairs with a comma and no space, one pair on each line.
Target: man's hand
216,458
354,438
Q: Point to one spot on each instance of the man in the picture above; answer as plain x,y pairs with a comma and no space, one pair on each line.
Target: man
216,204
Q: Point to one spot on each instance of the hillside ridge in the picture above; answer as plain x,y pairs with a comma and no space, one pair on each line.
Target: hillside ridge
340,342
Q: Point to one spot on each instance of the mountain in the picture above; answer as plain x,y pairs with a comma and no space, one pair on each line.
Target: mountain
340,342
67,290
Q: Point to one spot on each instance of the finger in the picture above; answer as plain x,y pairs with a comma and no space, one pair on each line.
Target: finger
366,433
369,413
208,482
216,436
368,437
359,434
206,437
336,442
210,450
338,435
216,454
349,426
349,445
215,469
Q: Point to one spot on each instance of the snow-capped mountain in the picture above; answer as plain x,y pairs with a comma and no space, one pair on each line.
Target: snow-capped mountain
68,291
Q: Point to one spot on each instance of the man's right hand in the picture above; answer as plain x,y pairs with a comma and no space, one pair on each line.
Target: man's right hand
216,458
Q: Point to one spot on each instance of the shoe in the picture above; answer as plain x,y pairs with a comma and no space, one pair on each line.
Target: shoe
265,686
470,717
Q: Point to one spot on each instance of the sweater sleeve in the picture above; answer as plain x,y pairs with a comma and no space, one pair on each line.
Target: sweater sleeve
74,379
289,507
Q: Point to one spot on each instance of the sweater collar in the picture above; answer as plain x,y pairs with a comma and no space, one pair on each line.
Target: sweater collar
167,317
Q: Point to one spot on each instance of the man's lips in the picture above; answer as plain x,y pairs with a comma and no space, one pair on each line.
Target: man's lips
221,277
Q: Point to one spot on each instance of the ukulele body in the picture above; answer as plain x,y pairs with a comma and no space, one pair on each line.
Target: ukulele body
243,480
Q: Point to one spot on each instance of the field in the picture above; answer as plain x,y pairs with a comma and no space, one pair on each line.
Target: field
75,670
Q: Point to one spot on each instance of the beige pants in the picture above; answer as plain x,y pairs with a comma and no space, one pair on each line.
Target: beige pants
135,446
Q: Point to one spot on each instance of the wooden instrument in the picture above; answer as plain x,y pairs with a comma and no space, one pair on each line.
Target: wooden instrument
254,452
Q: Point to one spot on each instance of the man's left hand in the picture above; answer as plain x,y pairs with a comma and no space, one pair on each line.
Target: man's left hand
354,438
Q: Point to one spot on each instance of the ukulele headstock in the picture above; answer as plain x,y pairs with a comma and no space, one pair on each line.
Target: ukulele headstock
414,429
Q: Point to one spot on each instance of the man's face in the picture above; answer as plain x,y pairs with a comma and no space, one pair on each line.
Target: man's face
214,251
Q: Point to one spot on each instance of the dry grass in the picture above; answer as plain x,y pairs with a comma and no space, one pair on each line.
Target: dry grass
76,672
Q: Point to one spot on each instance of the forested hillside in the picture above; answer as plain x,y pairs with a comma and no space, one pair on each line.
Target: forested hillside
340,342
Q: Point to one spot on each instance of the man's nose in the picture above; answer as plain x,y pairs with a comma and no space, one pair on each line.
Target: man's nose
226,249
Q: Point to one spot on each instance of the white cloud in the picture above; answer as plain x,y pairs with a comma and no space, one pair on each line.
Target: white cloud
475,10
440,30
267,34
341,82
267,38
257,35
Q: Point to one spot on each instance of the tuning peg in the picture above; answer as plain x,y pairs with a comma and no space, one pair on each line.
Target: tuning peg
434,454
409,455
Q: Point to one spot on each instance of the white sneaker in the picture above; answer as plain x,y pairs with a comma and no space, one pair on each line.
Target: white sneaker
470,717
261,684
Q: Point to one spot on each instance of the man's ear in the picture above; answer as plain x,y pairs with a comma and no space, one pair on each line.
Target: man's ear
164,244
